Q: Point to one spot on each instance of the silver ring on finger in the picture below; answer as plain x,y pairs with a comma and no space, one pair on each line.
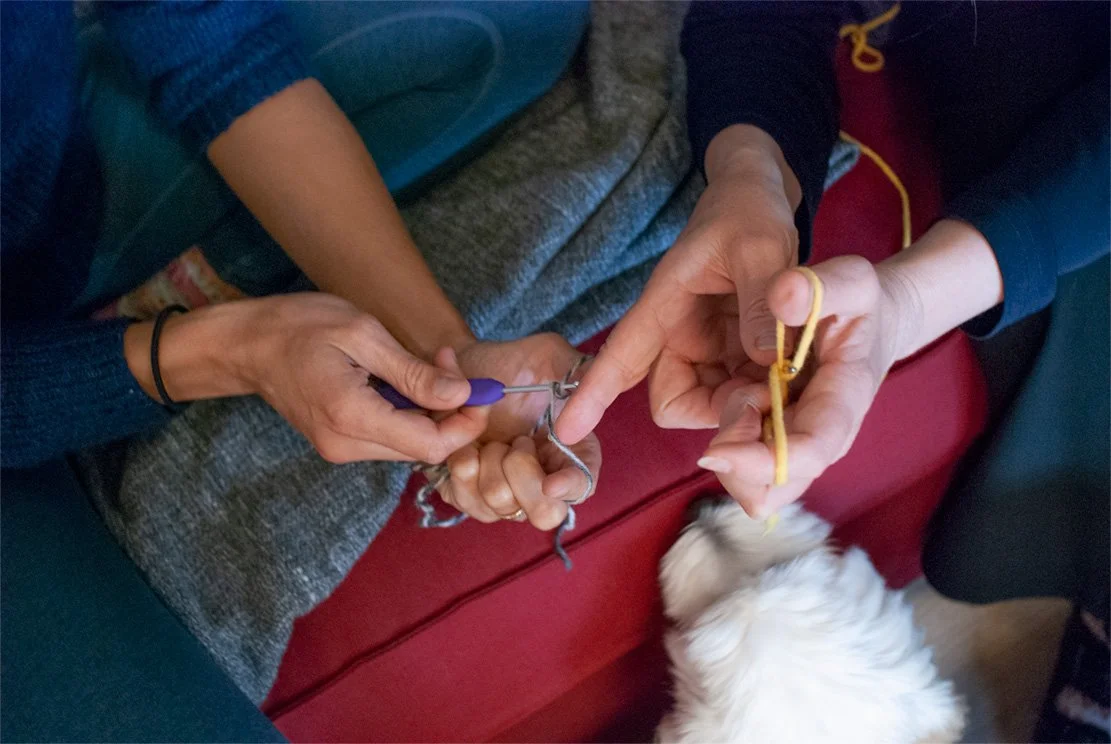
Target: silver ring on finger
516,516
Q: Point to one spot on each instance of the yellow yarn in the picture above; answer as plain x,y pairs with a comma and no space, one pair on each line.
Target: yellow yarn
865,58
783,371
904,198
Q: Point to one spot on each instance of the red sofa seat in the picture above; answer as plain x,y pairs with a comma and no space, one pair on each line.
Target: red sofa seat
478,633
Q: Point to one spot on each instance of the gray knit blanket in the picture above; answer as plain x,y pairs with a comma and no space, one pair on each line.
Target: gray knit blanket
229,512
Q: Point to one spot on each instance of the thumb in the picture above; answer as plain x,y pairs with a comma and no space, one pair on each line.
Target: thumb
437,388
757,324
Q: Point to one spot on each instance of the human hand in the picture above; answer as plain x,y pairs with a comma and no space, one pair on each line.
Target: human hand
310,356
510,468
866,316
702,325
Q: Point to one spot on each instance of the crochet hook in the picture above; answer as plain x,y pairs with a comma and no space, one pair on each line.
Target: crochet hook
484,392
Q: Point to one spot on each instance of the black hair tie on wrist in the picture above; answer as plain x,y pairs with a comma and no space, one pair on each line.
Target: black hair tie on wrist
156,373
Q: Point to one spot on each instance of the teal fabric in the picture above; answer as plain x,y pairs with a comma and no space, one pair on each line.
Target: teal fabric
422,82
1031,516
89,653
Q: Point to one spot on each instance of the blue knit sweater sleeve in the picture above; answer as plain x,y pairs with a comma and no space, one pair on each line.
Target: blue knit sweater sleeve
66,385
1044,212
209,62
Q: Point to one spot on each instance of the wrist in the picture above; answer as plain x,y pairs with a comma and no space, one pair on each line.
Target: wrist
948,277
199,354
901,312
746,151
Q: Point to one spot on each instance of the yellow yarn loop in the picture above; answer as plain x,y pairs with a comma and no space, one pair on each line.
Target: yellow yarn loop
865,58
783,371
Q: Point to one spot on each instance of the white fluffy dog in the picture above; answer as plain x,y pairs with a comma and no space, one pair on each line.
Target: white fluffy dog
779,638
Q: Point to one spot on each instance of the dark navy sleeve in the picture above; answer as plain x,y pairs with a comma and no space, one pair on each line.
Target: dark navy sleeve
769,64
207,63
65,386
1045,211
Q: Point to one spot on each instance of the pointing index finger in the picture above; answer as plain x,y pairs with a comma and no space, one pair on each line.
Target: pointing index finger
624,360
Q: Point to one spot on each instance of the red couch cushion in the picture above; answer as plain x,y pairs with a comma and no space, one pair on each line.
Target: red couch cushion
477,632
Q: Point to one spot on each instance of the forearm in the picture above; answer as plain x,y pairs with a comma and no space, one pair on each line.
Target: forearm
947,278
301,168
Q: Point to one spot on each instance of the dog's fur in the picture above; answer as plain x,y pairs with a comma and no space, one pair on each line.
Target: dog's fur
778,638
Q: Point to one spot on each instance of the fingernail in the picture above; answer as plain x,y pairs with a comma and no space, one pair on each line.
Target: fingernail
447,388
716,464
765,341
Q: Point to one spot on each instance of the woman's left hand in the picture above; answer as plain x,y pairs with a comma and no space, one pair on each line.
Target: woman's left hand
510,468
866,314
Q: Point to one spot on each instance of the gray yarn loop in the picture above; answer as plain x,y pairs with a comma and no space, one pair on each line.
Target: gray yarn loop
439,474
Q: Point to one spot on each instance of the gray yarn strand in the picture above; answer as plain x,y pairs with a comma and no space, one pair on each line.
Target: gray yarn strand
437,475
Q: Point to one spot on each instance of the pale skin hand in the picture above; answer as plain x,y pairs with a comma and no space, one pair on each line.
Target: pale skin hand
873,316
509,469
309,356
702,326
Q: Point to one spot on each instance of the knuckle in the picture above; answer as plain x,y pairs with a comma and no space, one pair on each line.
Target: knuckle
757,310
340,417
622,368
435,452
862,274
518,462
329,450
415,377
499,498
333,413
365,325
664,417
464,468
773,243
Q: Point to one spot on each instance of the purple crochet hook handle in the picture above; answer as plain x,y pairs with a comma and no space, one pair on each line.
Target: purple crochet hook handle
484,392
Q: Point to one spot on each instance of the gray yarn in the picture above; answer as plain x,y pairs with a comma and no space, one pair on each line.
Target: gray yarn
438,474
229,512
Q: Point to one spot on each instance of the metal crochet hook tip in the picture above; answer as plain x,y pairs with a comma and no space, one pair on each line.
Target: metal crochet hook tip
536,388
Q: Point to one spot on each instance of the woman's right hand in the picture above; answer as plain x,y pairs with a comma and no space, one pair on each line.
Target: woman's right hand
310,356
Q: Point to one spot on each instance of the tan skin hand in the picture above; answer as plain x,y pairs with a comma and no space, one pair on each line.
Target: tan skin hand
309,356
302,169
702,326
510,468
